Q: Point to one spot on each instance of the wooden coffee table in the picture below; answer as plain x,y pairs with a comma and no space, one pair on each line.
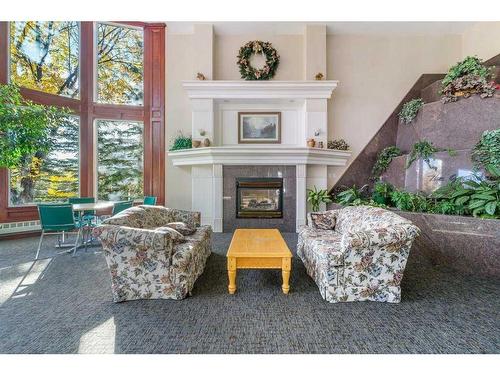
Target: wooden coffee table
258,249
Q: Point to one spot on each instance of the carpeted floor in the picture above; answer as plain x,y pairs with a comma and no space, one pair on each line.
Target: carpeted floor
63,305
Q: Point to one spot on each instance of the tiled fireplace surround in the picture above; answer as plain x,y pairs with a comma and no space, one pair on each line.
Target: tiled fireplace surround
287,172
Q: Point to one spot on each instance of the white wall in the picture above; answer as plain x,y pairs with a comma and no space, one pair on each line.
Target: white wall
375,72
289,48
178,115
482,39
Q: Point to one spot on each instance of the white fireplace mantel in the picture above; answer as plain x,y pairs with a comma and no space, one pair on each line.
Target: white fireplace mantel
244,155
259,89
215,106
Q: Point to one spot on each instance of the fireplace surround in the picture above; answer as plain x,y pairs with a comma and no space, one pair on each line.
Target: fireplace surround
279,179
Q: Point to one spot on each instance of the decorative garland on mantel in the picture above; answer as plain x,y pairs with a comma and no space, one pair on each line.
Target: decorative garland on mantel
268,70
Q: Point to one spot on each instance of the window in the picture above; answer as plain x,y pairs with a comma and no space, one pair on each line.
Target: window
44,56
119,160
119,65
111,76
52,177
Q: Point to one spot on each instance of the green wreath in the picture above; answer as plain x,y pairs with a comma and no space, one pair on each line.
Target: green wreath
268,70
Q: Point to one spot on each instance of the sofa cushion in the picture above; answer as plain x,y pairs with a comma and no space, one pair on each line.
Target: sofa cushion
173,234
325,246
182,228
324,220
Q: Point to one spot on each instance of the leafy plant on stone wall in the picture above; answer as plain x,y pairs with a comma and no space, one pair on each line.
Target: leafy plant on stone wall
382,192
421,150
410,110
351,196
487,151
467,77
384,158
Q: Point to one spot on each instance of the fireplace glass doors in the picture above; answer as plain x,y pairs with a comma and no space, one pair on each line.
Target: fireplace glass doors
259,197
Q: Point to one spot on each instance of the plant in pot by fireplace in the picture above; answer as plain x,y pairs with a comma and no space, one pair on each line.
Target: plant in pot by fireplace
181,142
316,197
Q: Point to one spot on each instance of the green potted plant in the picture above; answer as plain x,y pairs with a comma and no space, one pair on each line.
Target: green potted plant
181,142
25,127
316,197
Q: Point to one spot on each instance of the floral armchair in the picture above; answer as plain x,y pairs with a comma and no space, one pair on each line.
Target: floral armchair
357,253
149,259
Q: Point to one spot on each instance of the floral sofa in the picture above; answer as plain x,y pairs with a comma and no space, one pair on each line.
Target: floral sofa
148,259
357,253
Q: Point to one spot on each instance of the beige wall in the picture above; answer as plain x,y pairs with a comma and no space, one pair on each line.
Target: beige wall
375,73
178,117
289,48
482,39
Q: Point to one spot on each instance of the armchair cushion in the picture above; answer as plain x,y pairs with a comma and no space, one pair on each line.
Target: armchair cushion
173,234
323,220
182,228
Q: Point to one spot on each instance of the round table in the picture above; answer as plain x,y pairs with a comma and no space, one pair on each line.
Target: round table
102,205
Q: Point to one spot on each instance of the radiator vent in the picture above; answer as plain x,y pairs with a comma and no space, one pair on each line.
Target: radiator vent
20,226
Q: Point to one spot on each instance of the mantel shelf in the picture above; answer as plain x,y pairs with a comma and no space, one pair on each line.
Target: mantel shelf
259,89
258,155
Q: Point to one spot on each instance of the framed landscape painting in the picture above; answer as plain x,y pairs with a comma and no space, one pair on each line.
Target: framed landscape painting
259,127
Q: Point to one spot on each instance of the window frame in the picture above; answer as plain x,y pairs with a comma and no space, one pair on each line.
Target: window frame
151,113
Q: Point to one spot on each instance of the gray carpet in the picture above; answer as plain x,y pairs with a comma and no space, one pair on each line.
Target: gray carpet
63,305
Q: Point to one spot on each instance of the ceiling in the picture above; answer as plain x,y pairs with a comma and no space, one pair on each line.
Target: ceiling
293,28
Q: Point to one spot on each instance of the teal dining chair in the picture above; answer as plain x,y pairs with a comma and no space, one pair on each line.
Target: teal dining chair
120,206
150,200
58,219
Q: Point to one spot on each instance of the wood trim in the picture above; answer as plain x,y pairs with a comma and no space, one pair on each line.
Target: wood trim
4,174
152,114
87,162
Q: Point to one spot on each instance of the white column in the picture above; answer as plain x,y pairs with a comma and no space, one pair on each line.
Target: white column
206,195
202,192
202,119
316,120
203,49
314,51
317,175
300,176
217,197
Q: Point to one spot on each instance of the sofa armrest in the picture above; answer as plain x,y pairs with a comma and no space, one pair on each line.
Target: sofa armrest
191,218
379,237
120,238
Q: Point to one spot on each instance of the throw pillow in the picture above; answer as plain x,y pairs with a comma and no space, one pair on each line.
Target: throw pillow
172,233
182,228
325,220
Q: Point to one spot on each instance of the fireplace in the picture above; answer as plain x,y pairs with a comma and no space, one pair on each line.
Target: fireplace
259,198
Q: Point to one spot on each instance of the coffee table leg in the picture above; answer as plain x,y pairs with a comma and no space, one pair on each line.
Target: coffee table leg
285,271
231,272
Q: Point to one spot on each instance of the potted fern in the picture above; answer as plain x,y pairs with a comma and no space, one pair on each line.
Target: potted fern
316,197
